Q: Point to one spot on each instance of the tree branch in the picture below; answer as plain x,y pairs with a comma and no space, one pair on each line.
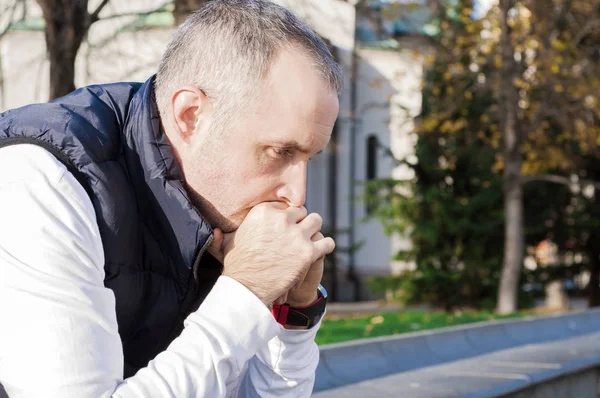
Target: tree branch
557,179
139,14
584,31
94,15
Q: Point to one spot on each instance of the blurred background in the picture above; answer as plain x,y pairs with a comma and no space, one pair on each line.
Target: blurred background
462,172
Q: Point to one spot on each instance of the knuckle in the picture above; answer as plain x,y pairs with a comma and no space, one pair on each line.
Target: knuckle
260,210
279,218
318,218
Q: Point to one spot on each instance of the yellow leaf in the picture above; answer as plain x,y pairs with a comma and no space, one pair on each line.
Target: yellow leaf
499,165
580,126
498,61
468,95
559,45
555,69
558,88
377,320
519,83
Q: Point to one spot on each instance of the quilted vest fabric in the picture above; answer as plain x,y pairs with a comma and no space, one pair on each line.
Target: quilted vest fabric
110,138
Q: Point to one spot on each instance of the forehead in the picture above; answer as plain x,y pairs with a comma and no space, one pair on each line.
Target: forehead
295,103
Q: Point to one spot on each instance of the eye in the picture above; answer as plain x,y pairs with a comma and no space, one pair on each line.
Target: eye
282,152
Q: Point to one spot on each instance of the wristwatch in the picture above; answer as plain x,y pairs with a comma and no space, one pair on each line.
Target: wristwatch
306,316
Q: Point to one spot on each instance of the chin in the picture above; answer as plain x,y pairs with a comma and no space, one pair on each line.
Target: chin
227,224
233,222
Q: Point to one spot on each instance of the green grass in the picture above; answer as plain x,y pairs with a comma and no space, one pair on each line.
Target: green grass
334,330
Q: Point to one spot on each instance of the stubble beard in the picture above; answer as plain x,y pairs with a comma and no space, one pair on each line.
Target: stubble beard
210,213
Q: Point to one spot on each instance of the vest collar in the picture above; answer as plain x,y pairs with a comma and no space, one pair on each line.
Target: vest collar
181,224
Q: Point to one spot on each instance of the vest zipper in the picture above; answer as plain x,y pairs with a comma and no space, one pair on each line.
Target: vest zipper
195,266
178,325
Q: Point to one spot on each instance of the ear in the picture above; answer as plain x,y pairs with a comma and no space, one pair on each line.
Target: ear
189,104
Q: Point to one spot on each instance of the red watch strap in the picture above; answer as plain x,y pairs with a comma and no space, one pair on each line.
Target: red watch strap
280,312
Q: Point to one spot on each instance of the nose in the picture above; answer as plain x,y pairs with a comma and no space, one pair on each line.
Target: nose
293,189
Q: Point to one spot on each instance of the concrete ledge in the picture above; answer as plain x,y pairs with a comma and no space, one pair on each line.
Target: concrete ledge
357,361
513,372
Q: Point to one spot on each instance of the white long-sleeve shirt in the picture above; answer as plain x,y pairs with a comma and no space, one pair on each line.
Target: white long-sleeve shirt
58,327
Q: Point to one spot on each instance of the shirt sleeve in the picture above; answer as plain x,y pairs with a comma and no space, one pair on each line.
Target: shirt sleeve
58,328
285,367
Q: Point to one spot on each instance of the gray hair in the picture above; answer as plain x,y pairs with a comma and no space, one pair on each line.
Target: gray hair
227,47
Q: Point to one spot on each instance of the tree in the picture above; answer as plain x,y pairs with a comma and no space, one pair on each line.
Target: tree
508,97
549,68
541,65
67,24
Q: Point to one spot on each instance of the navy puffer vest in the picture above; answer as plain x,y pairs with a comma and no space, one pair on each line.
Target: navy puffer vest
110,138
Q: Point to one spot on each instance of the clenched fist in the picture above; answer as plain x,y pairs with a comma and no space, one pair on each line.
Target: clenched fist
273,250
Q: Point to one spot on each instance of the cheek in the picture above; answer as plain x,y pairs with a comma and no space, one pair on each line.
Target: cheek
256,184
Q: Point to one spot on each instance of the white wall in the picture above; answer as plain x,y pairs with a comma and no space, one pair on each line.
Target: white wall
389,98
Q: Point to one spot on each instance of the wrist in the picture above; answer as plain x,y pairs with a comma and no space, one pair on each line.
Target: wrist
301,316
265,297
303,302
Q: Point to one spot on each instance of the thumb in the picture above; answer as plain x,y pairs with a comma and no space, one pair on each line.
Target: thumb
216,247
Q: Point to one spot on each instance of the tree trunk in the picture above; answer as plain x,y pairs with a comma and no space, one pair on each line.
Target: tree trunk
67,22
593,288
513,187
183,8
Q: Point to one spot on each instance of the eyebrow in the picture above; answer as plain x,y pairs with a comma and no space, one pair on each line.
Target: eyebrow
296,146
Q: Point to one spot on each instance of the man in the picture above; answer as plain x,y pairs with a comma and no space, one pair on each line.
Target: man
146,229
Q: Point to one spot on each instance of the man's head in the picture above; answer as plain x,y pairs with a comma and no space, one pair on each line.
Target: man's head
247,94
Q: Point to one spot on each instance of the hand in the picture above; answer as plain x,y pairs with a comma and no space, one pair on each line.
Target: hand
272,250
306,292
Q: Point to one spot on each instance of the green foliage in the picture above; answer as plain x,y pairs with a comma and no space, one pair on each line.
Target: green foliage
352,328
452,210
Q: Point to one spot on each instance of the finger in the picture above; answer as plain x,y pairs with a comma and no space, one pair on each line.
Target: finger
323,247
275,205
317,236
296,214
312,223
315,271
